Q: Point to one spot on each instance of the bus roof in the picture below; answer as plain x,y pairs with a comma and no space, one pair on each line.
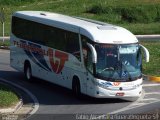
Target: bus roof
97,31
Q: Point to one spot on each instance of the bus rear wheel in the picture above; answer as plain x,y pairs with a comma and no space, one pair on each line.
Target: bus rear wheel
76,88
28,72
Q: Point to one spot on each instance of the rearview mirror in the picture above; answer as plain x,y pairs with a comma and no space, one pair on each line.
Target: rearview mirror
94,53
146,53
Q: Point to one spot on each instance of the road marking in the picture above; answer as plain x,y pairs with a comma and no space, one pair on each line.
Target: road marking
150,85
132,107
36,102
151,93
129,106
142,101
151,99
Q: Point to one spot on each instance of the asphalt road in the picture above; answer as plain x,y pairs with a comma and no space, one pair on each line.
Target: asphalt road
56,102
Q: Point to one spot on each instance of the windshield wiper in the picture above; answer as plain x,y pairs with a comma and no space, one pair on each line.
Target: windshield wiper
107,69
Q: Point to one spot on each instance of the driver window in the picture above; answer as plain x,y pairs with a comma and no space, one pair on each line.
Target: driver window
87,55
139,59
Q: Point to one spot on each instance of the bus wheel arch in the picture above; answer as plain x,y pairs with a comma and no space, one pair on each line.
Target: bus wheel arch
27,70
76,86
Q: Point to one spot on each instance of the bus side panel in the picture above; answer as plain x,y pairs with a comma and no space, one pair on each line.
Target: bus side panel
71,67
75,69
41,64
17,55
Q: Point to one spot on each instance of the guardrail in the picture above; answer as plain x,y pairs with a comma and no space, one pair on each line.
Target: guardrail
4,38
148,37
139,37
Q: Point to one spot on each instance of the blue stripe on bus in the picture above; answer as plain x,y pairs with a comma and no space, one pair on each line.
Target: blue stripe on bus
40,57
32,58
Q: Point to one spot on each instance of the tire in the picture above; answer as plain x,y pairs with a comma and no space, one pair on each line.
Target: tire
76,88
28,72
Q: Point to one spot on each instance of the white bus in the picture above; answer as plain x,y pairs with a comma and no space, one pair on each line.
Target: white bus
90,57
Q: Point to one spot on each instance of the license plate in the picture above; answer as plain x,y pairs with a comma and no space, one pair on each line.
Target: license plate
120,94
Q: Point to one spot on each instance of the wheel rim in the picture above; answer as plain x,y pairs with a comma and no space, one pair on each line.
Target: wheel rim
76,90
28,73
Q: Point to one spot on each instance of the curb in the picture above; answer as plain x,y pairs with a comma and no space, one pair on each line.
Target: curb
27,111
154,78
151,78
12,110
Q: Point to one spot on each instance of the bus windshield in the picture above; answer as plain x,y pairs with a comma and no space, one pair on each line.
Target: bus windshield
118,62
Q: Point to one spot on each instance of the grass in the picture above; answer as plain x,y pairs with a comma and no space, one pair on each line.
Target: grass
5,43
7,97
139,16
153,67
142,28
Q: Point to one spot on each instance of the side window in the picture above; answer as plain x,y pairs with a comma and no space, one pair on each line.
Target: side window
47,35
50,34
72,44
38,33
60,39
63,40
28,30
19,27
87,55
55,38
14,27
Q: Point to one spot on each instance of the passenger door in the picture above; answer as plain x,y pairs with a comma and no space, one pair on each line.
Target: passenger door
88,65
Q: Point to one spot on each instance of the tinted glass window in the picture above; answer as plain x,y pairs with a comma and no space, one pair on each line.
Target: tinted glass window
28,30
46,35
72,44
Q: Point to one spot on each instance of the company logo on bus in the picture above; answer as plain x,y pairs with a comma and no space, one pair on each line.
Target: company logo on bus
57,60
36,53
116,83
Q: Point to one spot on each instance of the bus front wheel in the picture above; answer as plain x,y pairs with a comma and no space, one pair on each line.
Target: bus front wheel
76,88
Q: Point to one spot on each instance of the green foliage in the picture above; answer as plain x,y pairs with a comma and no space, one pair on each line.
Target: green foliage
4,43
15,2
153,67
7,97
139,16
142,28
130,14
